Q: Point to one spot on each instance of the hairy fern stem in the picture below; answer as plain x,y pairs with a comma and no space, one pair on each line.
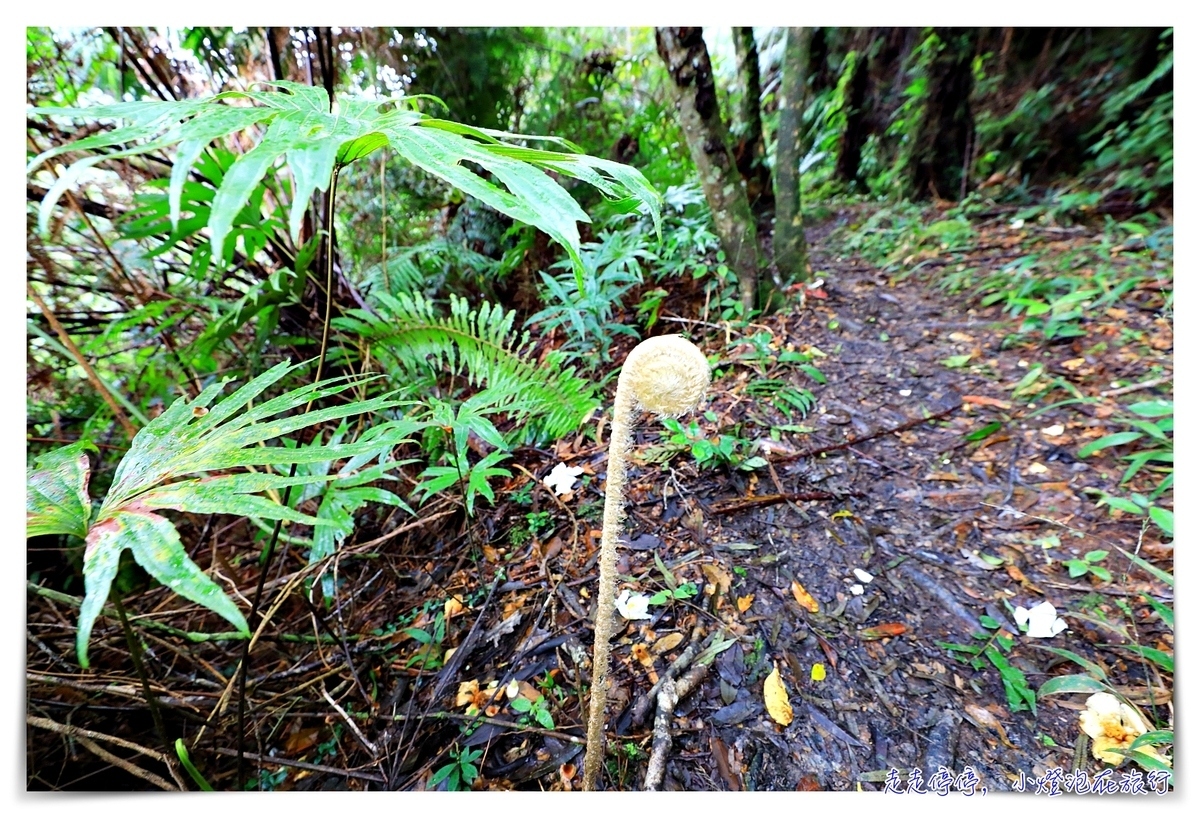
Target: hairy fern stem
666,375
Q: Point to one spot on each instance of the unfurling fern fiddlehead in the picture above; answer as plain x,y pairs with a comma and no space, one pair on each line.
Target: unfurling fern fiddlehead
667,375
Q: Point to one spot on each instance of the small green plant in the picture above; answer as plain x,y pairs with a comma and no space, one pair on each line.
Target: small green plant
539,522
458,425
709,453
584,311
267,781
1145,430
460,773
721,300
538,710
1152,428
429,655
993,647
524,495
1089,564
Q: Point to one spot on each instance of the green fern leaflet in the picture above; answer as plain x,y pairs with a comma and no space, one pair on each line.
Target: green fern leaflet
408,334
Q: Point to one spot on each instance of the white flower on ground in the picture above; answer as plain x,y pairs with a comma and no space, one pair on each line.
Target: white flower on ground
1113,724
633,606
1044,621
561,479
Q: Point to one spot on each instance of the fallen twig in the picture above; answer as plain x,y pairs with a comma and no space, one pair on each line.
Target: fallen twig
303,765
1137,387
758,501
667,699
641,707
350,723
856,440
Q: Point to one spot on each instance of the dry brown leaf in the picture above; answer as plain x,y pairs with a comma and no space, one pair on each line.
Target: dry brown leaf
983,400
804,598
946,476
717,577
302,739
982,717
775,696
744,603
667,643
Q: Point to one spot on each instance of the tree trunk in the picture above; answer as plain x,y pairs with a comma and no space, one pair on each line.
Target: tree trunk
749,152
686,56
851,142
942,143
790,249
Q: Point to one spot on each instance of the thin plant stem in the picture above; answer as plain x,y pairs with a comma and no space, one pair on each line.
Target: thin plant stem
135,653
255,603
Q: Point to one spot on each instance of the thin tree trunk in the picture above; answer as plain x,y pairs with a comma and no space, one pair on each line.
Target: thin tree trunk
686,56
750,152
790,249
947,125
851,142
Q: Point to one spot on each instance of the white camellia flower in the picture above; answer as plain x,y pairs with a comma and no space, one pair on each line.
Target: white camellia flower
1044,621
562,478
633,606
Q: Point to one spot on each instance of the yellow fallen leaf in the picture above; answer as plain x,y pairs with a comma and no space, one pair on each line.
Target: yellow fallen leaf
744,603
804,598
775,696
466,693
818,672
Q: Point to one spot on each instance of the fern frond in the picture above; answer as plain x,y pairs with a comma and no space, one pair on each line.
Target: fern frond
410,334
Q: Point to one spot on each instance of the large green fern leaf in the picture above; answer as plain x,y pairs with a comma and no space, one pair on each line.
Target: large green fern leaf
409,334
301,130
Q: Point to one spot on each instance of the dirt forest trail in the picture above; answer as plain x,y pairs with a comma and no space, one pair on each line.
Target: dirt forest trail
928,528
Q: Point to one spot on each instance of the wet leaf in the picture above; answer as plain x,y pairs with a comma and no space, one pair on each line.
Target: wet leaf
1076,683
56,492
882,631
717,577
983,400
775,696
667,643
804,598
